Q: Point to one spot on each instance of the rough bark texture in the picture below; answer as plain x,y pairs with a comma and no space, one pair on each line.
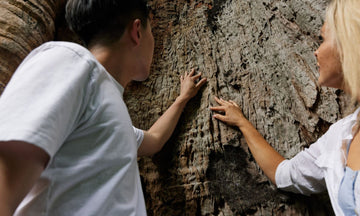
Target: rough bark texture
24,25
258,53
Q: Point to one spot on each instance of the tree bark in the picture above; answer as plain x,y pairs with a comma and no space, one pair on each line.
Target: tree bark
25,24
257,53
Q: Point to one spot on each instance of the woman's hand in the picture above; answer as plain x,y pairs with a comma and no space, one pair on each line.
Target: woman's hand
189,86
266,156
232,112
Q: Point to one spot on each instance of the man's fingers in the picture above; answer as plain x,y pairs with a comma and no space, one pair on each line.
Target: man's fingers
195,77
192,72
200,83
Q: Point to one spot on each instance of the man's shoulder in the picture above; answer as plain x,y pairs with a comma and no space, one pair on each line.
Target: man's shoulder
62,54
64,61
61,46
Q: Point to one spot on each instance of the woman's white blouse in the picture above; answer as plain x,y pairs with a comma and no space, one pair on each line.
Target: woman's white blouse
322,165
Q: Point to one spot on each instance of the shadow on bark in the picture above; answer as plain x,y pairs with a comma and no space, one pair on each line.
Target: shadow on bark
246,194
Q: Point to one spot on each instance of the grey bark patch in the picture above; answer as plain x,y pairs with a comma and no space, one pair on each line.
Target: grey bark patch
212,14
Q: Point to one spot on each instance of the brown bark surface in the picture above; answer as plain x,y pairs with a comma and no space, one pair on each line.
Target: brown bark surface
24,25
257,53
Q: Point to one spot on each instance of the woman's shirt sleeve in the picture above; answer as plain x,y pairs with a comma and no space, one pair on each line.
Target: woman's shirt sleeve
301,174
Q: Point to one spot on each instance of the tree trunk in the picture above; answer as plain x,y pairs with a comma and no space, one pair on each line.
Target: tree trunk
257,53
25,24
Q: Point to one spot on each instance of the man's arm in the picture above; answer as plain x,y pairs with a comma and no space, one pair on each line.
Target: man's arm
265,155
21,165
161,130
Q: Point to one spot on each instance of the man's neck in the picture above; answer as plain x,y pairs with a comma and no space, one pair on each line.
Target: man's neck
114,62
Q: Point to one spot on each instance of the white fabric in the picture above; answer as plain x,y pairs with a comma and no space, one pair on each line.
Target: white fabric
62,100
322,165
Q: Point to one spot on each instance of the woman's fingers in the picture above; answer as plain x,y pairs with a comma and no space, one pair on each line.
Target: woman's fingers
224,102
234,103
219,117
218,108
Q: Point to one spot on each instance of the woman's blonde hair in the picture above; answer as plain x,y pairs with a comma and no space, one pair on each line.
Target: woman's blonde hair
343,24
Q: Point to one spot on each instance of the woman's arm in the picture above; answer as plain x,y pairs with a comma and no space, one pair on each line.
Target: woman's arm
265,155
161,130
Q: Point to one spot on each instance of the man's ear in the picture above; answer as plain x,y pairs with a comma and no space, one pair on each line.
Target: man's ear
135,31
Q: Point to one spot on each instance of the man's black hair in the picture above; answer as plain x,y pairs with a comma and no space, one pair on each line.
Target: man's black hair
104,21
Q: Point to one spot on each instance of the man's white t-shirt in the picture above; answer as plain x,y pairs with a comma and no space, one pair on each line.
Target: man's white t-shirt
62,100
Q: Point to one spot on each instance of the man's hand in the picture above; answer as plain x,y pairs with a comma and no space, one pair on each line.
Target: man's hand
189,85
160,132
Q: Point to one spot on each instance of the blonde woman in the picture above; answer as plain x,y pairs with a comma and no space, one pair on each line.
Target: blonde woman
333,161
